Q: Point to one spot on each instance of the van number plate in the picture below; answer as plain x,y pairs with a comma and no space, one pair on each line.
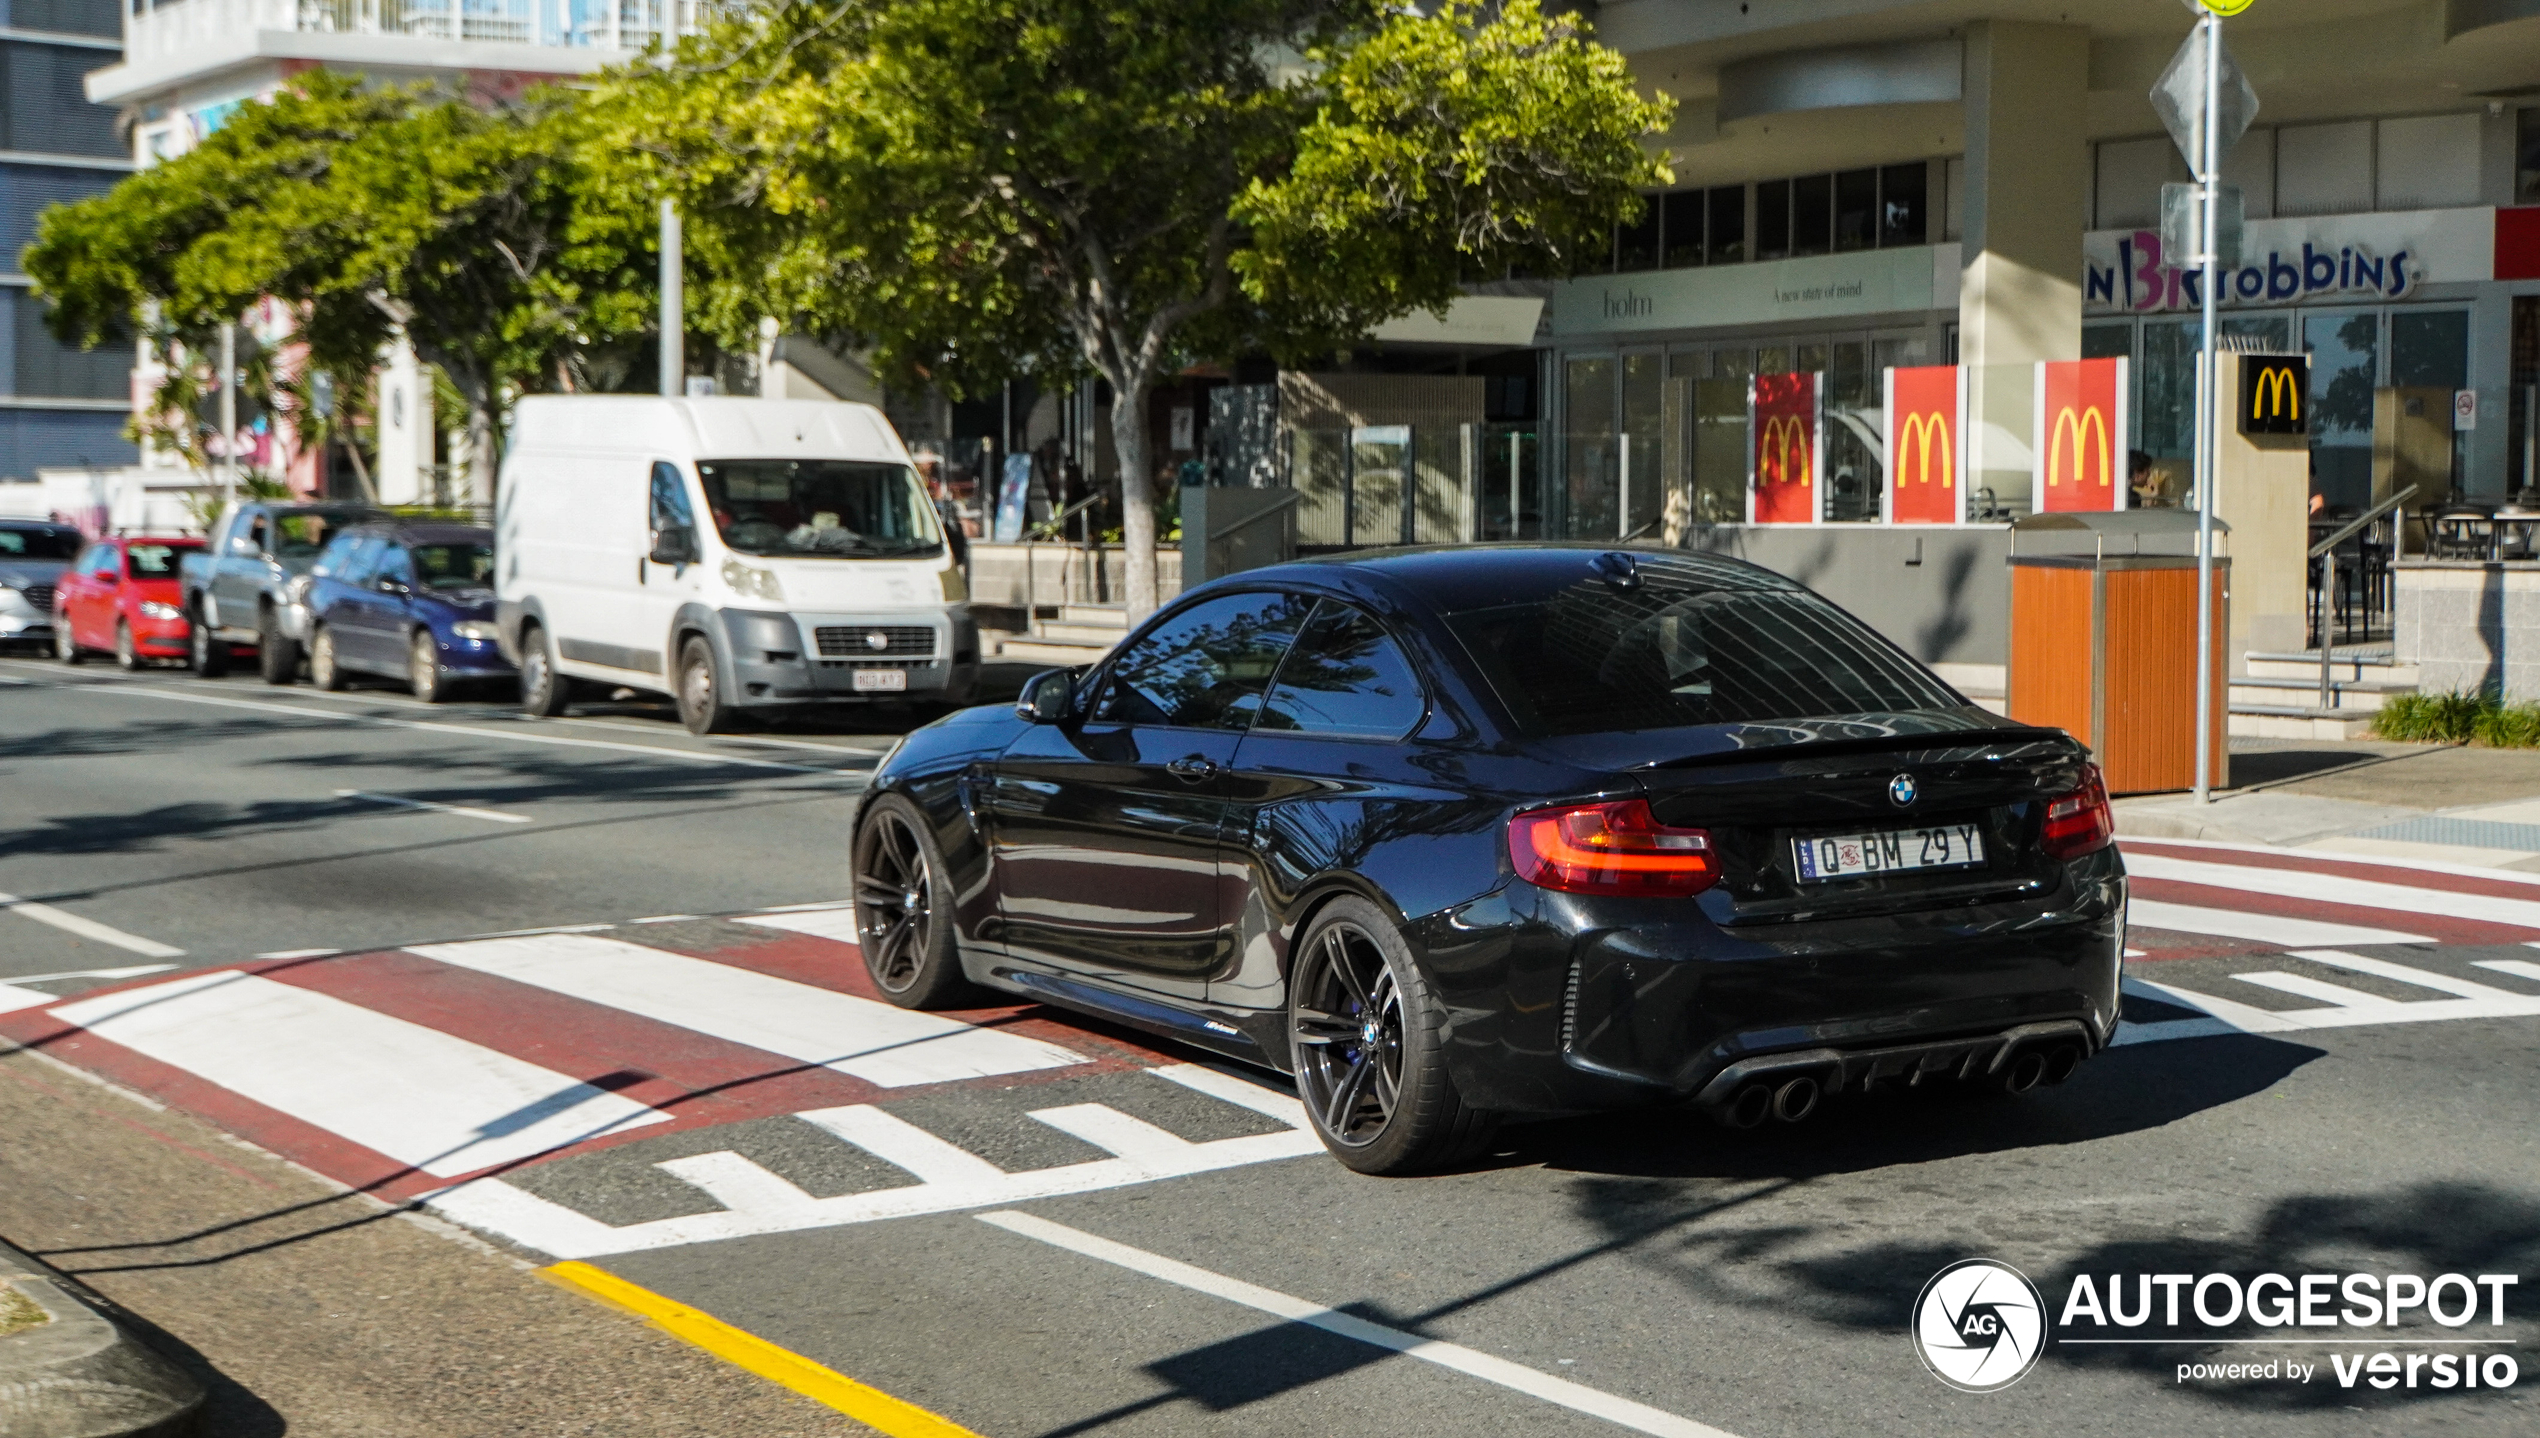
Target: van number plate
886,681
1853,856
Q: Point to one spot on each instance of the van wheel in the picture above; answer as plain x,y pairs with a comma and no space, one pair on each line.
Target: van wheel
703,706
211,652
543,692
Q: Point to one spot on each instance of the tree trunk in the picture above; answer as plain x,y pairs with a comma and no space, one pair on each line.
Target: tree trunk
1137,496
480,452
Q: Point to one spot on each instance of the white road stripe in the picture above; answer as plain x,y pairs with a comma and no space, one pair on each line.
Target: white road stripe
491,815
2395,866
2305,987
13,998
2519,968
827,923
133,971
2259,928
1112,1131
737,1183
1239,1091
89,928
2243,1017
1579,1398
896,1141
2337,889
873,1041
423,1097
299,953
2408,974
665,919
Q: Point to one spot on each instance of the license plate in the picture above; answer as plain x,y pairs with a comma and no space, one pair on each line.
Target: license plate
881,681
1888,851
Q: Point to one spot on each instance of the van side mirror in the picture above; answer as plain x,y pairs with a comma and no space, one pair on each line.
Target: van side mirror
1048,697
674,546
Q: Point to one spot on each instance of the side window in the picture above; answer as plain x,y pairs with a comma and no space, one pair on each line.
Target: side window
1205,667
670,500
337,552
392,562
99,562
359,559
1344,675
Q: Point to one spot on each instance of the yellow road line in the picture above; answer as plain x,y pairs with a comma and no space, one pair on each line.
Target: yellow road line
862,1402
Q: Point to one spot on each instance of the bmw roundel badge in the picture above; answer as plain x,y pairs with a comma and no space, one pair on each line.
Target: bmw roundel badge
1901,790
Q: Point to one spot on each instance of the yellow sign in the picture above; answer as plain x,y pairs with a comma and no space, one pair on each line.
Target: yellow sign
1785,438
1921,432
2226,7
2081,425
2275,395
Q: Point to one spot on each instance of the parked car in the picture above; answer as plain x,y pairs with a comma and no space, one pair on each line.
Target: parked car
237,587
737,554
33,555
1462,833
122,597
405,600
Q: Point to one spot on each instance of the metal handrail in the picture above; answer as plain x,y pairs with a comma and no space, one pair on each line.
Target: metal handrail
1276,507
2370,516
2325,551
1644,529
1049,528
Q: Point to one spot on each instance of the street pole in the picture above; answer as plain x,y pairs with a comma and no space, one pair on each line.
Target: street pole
228,414
2208,380
674,350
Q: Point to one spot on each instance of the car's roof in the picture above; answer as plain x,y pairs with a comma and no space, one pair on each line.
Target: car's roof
426,531
46,525
1454,578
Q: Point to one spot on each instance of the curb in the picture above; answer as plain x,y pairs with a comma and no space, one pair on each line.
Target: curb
82,1375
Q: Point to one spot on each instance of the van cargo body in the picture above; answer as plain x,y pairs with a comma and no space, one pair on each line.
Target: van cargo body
736,554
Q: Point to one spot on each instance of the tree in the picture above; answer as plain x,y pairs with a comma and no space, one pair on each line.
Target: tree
1108,187
370,210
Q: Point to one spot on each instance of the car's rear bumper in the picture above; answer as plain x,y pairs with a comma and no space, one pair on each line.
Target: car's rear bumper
1562,1004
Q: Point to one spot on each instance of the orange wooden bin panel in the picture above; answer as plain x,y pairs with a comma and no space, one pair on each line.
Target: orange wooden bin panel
2151,679
2050,649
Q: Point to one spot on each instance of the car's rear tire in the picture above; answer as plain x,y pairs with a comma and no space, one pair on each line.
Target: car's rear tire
1367,1039
127,658
903,909
277,653
705,703
544,694
66,648
211,652
324,672
423,669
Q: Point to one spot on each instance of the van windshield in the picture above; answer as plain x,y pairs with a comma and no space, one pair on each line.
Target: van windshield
826,507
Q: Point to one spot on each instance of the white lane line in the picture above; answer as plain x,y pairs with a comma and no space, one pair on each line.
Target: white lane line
89,928
737,1183
665,919
547,929
559,740
13,998
299,953
496,816
1579,1398
2395,866
876,1042
2400,899
423,1097
2409,974
807,908
2519,968
2244,1017
896,1141
2306,987
830,923
131,972
1242,1092
1112,1131
2259,928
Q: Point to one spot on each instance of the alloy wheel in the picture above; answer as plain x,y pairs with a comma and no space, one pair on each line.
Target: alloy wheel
127,658
894,902
423,670
1348,1033
64,647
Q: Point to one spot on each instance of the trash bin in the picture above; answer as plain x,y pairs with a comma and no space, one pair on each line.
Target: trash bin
2104,647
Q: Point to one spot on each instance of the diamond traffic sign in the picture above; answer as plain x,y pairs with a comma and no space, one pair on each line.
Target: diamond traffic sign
2179,97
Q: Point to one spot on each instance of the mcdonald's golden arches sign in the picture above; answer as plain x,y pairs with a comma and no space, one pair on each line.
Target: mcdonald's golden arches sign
1785,429
1924,463
2081,436
2275,394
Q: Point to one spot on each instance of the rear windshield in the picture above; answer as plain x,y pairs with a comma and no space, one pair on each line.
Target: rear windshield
1694,642
39,543
829,507
153,561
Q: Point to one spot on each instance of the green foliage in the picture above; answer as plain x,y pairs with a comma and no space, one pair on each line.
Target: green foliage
2459,718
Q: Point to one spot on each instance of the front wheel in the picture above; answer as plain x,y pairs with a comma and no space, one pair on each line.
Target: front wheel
1368,1039
903,913
324,672
277,653
211,652
423,669
543,692
127,658
66,648
703,705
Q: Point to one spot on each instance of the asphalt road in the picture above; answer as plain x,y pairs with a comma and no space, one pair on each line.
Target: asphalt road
1645,1272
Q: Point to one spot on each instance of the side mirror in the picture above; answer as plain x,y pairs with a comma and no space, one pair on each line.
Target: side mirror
243,546
1048,697
389,584
674,546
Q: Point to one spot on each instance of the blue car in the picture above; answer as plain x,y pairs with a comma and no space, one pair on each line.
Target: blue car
406,600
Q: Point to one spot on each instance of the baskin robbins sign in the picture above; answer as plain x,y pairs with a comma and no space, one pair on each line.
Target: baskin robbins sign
2329,259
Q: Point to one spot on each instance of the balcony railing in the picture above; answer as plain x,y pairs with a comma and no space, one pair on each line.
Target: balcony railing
159,29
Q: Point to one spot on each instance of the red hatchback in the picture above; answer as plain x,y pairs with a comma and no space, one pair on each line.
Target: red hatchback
120,597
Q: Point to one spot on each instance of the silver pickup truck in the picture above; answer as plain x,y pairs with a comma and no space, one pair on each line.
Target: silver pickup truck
237,588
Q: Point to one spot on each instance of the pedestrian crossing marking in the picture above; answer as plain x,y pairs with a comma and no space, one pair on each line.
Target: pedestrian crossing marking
2260,928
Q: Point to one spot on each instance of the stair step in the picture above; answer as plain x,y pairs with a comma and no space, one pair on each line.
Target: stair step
2284,721
1110,616
1073,632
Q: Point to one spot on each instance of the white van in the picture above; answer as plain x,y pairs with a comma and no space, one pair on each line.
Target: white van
736,554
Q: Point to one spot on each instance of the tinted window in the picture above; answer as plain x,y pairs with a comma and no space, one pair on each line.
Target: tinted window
1205,667
337,555
1696,641
153,561
298,536
455,566
39,543
99,562
359,559
392,563
819,507
1344,675
670,511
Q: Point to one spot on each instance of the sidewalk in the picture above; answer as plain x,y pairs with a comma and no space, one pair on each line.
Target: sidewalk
2438,803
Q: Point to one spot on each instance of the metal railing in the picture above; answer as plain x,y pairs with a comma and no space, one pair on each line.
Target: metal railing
2329,608
1049,529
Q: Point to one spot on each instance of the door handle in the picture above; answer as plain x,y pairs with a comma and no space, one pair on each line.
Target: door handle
1193,766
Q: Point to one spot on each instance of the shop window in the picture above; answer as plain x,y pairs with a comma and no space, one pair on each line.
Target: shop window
1725,237
1811,215
1904,208
2428,162
2345,369
1772,220
2430,348
2527,156
1683,224
1856,210
2324,169
1636,245
2109,341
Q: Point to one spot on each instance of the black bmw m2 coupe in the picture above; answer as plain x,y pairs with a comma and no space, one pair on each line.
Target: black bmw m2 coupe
1459,834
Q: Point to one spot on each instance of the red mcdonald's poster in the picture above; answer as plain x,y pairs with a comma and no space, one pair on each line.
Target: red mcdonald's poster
1782,427
2081,435
1924,461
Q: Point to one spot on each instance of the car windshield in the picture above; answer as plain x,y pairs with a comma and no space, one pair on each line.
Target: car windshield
828,507
153,561
298,536
39,543
453,566
1692,640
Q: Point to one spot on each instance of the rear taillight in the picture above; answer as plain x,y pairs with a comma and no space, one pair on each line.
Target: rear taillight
1610,849
2080,822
